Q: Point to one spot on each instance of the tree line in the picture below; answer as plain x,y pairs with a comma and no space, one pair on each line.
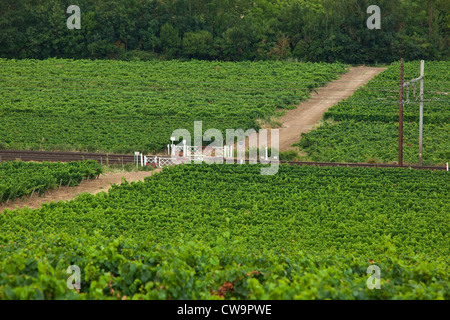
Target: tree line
229,30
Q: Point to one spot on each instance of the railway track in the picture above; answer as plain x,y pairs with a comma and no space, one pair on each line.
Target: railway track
103,158
119,159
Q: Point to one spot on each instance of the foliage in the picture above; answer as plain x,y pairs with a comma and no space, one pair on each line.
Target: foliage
362,141
383,92
198,44
289,155
319,30
225,231
124,107
170,40
367,122
19,178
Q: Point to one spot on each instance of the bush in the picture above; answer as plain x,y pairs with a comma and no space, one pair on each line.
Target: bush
289,155
198,45
170,41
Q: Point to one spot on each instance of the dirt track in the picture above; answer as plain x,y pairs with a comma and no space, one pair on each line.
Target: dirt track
310,112
103,183
296,121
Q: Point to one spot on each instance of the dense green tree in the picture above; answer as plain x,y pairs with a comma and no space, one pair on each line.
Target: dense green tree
170,40
198,44
309,30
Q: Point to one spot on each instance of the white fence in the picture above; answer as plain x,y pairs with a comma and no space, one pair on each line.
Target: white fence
184,154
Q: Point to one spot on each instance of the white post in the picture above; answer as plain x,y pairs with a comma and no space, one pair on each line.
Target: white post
142,160
136,158
225,151
422,80
145,160
184,148
447,166
172,139
232,151
168,149
267,153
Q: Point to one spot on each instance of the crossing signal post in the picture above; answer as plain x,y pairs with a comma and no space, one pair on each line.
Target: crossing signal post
400,117
422,80
409,84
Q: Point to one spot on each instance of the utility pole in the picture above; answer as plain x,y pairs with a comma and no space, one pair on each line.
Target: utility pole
422,80
413,84
400,118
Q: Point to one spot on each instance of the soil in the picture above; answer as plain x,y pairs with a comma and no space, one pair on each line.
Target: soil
309,113
295,121
103,183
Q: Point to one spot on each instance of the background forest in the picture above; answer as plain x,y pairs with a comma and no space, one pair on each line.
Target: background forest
229,30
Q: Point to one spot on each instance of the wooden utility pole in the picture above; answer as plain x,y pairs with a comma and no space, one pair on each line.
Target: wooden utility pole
422,79
400,118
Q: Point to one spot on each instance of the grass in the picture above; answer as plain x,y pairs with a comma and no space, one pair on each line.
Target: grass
125,168
289,155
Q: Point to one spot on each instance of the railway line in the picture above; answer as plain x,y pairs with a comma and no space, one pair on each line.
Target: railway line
104,158
122,159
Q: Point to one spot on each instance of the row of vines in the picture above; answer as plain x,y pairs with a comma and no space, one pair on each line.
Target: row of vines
364,127
121,107
225,231
19,178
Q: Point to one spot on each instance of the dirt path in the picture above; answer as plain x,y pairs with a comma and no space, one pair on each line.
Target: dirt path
296,121
103,183
310,112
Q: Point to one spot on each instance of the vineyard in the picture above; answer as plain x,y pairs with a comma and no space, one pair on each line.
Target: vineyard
19,179
216,156
364,127
225,231
122,107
